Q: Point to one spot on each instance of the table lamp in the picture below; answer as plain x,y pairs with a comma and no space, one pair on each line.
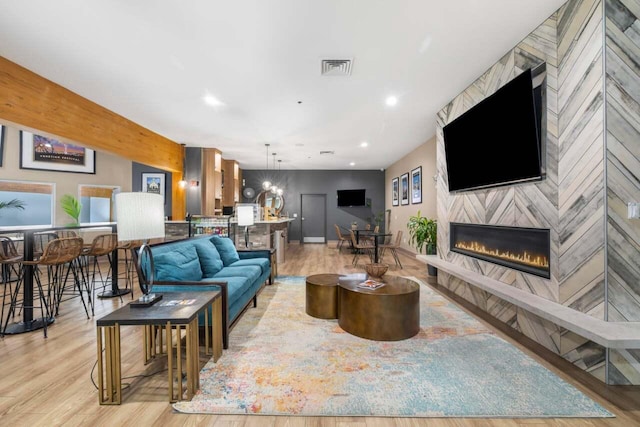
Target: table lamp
140,216
245,217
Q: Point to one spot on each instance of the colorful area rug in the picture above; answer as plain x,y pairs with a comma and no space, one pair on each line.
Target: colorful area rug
282,361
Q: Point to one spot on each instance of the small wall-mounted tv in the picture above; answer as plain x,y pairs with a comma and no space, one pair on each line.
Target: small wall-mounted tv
500,141
348,198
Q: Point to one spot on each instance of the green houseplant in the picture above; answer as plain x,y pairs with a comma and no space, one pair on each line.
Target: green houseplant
423,233
72,207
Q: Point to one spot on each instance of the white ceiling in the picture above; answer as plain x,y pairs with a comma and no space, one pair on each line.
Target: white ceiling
153,61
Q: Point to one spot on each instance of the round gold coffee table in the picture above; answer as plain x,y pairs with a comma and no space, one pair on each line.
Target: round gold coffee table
322,296
388,313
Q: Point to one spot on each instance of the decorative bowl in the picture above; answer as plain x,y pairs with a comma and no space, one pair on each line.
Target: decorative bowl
376,270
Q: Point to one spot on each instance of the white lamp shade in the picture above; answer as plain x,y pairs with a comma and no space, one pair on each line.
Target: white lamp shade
245,215
140,216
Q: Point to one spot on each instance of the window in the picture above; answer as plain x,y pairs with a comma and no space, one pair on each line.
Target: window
38,199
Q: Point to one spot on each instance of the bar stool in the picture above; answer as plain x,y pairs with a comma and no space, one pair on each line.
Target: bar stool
102,245
11,264
129,266
55,257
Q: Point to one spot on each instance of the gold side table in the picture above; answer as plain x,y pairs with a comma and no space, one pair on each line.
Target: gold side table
164,325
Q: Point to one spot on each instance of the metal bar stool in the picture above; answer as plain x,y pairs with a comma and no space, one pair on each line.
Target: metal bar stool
102,245
129,266
55,257
11,264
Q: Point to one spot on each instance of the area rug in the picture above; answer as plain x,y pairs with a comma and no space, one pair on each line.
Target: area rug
282,361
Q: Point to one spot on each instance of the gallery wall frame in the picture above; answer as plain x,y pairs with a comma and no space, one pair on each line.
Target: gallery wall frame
40,152
404,189
416,185
154,183
395,191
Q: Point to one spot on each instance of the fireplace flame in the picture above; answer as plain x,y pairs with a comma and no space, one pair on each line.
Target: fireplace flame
534,260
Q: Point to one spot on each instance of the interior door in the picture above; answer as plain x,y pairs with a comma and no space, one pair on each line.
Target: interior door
313,213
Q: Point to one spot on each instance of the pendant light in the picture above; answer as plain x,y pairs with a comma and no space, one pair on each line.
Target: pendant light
280,190
274,187
266,185
183,182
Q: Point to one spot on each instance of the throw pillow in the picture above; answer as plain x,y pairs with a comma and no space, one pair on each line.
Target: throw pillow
210,260
181,264
227,250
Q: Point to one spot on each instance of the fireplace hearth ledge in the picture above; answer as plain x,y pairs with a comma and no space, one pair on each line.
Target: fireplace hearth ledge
621,335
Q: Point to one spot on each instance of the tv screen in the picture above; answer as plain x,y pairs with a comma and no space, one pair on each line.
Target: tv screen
351,198
497,142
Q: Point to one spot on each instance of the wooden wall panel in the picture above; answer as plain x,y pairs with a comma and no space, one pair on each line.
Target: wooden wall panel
34,103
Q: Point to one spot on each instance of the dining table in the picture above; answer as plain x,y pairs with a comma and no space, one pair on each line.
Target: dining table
28,323
375,237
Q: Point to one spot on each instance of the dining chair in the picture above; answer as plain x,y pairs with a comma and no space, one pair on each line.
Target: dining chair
341,238
367,238
359,248
392,247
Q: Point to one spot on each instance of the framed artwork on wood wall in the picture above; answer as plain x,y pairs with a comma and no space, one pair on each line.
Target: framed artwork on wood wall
404,188
48,154
416,185
395,191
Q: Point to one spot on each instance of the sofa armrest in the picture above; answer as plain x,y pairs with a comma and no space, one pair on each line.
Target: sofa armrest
257,253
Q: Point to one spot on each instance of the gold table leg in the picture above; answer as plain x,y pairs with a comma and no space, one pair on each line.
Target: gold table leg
109,365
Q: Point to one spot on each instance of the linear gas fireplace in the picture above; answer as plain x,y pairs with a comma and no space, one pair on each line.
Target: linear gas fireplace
520,248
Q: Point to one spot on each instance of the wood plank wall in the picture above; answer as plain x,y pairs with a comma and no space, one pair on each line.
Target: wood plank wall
34,103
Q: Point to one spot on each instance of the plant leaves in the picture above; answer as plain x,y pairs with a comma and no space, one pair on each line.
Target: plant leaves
71,206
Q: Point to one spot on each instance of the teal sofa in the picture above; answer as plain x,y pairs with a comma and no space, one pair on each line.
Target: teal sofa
208,263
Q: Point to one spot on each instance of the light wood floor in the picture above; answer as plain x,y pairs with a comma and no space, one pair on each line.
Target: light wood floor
46,382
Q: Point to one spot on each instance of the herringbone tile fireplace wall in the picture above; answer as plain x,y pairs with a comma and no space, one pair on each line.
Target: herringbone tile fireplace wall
571,200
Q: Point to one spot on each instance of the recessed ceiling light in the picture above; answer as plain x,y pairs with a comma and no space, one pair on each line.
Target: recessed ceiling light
212,100
391,101
352,164
364,144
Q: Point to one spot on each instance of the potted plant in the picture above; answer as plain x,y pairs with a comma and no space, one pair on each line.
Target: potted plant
72,207
423,233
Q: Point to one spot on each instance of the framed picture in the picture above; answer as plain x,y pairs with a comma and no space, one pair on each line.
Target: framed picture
1,143
395,190
153,183
404,188
43,153
416,185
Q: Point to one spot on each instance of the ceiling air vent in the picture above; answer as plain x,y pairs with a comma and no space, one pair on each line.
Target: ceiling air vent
327,152
336,67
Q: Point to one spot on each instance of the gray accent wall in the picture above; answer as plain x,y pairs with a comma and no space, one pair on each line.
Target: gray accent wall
297,182
137,169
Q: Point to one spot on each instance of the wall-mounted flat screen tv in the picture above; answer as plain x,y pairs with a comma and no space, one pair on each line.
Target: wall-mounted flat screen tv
351,198
499,141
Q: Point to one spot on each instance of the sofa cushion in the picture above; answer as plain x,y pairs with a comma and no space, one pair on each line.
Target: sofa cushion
180,264
263,263
250,272
226,249
210,261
